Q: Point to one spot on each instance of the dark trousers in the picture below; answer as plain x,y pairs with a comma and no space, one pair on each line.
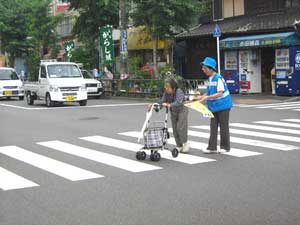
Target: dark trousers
180,125
220,119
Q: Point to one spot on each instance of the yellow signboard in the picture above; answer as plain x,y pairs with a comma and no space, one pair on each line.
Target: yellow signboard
199,107
138,39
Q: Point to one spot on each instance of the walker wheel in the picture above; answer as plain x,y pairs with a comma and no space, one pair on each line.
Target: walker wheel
155,157
175,152
143,155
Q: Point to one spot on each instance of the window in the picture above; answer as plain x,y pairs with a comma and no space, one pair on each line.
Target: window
258,6
217,9
292,3
65,27
233,8
43,72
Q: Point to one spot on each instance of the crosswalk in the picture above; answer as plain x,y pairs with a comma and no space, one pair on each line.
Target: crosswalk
292,106
262,136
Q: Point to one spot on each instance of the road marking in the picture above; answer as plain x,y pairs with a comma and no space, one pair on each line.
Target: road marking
101,157
11,181
290,107
265,128
74,107
279,105
246,141
281,124
292,120
50,165
256,134
129,146
271,104
200,146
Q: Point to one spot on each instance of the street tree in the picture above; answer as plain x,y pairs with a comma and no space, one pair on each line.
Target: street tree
92,15
27,29
163,19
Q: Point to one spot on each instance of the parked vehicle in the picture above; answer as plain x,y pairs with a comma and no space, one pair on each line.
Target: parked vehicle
10,84
94,87
58,82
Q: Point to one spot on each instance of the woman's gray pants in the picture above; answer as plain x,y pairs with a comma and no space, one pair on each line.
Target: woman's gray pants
179,119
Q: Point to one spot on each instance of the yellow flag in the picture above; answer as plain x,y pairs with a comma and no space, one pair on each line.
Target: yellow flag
199,107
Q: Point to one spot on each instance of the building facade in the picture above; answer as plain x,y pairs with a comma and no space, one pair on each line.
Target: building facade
256,36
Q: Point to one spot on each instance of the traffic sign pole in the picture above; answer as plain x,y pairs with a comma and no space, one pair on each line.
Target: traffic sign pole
217,34
218,52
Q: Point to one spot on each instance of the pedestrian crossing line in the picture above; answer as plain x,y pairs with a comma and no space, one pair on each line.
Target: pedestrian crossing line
281,124
134,147
296,109
279,106
292,120
50,165
269,105
246,141
256,134
12,181
265,128
101,157
290,107
200,146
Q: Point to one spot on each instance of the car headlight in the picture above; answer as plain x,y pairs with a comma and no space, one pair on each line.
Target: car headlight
54,88
99,85
20,87
83,87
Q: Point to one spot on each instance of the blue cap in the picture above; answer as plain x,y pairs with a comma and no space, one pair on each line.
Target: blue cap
210,62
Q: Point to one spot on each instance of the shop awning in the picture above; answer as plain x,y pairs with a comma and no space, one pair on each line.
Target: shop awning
262,40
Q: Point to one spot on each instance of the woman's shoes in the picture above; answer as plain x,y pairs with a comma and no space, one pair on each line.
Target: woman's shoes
186,148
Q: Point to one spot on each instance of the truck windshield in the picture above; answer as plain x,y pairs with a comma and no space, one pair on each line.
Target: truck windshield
8,75
63,71
86,74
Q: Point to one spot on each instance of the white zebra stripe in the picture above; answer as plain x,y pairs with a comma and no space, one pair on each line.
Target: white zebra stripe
200,146
50,165
101,157
292,120
12,181
129,146
256,134
265,128
281,124
246,141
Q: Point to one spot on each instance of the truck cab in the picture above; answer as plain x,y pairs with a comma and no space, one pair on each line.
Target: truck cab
58,82
10,84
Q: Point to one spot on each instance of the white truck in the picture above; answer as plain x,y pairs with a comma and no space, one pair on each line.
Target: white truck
10,84
58,82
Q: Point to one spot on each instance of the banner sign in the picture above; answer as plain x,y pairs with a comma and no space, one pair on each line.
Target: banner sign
107,44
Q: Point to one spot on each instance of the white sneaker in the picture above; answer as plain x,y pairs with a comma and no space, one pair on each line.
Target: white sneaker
206,151
186,147
179,149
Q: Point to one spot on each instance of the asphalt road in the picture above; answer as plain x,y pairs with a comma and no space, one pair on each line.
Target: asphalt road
258,184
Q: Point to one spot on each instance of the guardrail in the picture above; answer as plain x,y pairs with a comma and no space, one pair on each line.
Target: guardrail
149,88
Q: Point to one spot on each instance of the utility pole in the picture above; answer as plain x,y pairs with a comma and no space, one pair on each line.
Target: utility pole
123,37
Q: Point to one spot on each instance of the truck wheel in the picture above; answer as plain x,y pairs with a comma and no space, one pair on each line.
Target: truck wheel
21,98
29,98
49,102
83,103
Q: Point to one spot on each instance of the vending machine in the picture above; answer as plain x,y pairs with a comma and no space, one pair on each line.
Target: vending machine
250,71
231,74
287,65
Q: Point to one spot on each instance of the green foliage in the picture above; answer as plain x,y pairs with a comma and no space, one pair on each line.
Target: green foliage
165,71
26,29
166,17
134,65
82,55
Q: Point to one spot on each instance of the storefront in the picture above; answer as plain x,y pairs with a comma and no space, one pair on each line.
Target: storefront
248,61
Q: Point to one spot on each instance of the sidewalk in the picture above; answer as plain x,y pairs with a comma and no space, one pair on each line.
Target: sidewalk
254,99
